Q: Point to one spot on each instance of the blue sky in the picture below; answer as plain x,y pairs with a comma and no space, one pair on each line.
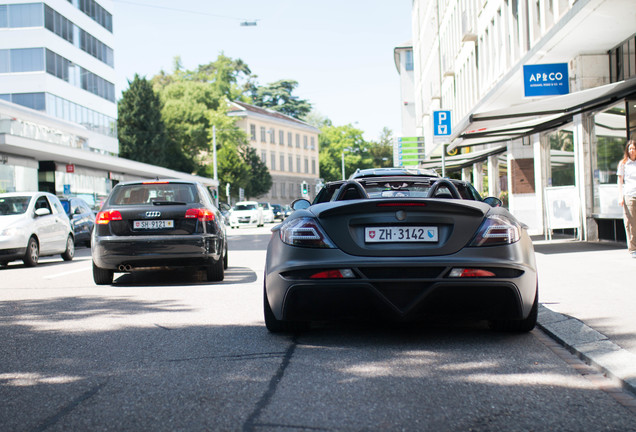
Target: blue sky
339,51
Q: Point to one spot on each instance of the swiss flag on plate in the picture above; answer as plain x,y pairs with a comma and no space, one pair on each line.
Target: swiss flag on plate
372,234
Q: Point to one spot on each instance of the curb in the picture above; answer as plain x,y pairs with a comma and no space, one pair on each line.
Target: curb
590,346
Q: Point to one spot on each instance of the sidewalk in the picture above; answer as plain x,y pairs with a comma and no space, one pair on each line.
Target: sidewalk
587,292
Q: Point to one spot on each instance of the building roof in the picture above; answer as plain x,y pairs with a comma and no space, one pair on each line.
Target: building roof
238,107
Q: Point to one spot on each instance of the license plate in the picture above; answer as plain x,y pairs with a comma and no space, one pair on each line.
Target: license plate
400,234
153,224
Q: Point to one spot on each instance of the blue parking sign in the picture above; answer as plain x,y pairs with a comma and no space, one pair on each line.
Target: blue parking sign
441,123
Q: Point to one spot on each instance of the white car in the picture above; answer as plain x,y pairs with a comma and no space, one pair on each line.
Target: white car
246,213
268,212
33,224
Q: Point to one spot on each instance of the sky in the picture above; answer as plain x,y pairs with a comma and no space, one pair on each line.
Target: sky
339,51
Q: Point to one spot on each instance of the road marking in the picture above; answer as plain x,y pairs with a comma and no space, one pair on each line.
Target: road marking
66,273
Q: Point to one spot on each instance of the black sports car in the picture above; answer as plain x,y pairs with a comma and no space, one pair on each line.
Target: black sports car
400,245
150,225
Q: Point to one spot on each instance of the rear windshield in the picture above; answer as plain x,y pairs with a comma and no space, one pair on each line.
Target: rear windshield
14,205
245,207
154,192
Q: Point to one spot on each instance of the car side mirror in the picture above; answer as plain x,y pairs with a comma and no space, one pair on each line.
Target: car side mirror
493,201
300,204
42,212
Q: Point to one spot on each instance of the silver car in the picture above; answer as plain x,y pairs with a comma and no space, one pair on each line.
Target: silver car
33,224
400,246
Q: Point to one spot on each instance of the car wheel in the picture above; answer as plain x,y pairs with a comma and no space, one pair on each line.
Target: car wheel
32,254
215,271
102,276
519,326
69,253
4,264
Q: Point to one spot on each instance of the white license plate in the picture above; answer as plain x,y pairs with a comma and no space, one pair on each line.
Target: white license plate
153,224
405,234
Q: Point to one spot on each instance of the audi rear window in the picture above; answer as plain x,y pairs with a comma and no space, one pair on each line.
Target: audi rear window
137,194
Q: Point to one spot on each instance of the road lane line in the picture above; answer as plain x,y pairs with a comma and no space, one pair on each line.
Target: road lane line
67,273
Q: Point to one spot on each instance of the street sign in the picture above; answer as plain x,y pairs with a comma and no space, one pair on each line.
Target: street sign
441,123
545,79
408,151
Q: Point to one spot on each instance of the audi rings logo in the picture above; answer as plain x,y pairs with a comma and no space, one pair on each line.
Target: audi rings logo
153,214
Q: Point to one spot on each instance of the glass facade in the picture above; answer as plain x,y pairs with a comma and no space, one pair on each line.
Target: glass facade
623,60
41,15
65,109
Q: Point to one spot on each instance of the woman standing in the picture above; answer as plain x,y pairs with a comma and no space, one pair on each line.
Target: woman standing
627,193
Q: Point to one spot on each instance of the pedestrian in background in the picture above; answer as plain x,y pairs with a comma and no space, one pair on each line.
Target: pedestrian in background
627,193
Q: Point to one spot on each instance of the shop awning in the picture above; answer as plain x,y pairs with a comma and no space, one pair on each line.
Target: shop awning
464,160
537,116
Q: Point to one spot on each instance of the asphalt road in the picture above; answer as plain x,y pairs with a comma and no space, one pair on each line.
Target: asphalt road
171,352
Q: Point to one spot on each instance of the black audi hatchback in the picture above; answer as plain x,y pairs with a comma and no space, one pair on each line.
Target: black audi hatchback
157,225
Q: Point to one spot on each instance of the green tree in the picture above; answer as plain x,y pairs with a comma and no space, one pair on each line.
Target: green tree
381,152
278,96
260,180
140,127
338,140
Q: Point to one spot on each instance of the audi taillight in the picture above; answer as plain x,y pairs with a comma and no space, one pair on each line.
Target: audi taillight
104,217
201,214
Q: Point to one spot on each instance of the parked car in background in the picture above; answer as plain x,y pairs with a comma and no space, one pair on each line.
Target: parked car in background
268,212
246,213
32,225
287,210
279,213
82,218
400,245
153,225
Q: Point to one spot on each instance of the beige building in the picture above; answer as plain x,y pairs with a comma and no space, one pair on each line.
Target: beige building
288,146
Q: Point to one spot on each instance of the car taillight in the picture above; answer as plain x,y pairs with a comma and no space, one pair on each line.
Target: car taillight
201,214
470,272
497,230
305,232
104,217
334,274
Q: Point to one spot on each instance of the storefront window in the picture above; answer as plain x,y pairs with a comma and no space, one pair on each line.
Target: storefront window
561,158
611,136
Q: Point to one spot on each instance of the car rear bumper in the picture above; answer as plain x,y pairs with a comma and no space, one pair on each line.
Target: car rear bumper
407,288
155,251
12,254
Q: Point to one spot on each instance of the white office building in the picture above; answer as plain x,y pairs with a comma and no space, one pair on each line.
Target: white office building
542,99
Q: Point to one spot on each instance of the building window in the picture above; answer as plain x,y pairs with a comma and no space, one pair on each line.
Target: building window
21,15
281,137
97,13
283,191
408,60
306,166
305,145
282,163
289,139
272,136
35,101
273,159
290,163
22,60
253,132
297,140
313,165
298,164
264,156
313,143
263,133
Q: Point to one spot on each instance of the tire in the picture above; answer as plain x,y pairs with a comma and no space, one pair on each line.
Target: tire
4,264
102,276
69,253
215,271
32,254
225,258
519,326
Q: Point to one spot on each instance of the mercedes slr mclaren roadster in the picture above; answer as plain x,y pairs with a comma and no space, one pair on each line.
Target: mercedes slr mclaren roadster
404,246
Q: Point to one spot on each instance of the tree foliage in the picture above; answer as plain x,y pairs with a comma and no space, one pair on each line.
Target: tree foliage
338,142
140,127
278,96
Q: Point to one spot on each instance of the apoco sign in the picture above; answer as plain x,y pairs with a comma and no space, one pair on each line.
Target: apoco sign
546,79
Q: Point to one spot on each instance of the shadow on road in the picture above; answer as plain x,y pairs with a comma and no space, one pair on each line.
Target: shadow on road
563,247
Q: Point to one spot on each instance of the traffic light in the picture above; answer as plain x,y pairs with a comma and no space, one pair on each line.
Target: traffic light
304,188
